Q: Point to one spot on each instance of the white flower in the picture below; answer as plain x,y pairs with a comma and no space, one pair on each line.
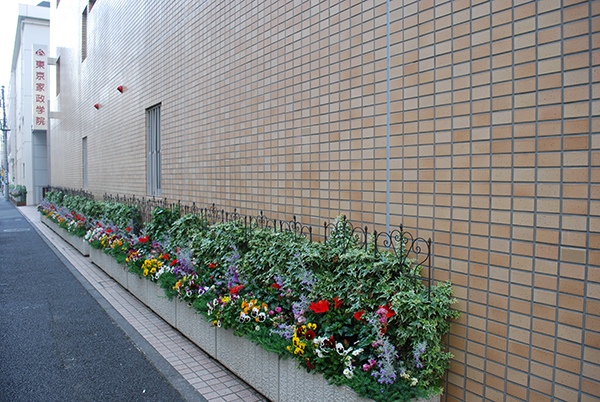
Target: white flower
262,317
357,352
340,348
414,382
348,373
257,328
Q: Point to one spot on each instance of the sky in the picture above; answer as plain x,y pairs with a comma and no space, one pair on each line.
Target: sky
9,11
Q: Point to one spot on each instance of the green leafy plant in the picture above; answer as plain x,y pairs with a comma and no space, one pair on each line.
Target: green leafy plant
18,192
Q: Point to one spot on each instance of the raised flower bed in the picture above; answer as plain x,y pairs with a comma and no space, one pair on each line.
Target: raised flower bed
348,313
18,195
82,246
278,379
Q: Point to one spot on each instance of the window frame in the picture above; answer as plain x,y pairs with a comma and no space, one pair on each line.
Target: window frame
153,151
84,17
84,161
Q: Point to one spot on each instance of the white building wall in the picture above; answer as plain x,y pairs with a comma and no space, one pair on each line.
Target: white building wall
27,161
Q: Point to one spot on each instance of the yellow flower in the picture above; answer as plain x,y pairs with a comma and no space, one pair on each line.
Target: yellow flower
225,299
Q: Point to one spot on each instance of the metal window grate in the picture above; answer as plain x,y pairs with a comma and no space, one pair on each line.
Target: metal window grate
84,34
84,161
153,147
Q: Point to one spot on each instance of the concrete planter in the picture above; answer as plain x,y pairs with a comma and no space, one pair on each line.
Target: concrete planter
17,202
160,304
138,286
250,362
109,265
78,242
201,332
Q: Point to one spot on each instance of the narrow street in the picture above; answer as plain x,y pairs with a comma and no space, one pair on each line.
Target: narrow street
57,342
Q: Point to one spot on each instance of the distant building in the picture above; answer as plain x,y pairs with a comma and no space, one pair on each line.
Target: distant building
27,112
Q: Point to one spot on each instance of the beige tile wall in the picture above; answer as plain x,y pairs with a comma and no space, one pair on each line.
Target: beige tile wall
471,122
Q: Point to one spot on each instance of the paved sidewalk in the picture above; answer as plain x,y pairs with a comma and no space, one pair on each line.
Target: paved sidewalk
209,378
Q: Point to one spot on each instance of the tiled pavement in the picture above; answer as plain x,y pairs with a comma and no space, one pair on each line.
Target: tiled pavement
209,378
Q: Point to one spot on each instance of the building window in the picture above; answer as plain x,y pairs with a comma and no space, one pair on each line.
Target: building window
153,149
84,161
84,34
57,76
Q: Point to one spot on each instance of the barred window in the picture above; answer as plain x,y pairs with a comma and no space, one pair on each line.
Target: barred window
84,34
153,148
84,161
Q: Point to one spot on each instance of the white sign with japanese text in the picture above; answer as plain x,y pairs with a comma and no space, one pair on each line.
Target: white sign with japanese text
40,86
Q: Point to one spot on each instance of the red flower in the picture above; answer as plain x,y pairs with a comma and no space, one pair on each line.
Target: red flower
338,302
276,286
358,315
213,265
236,289
143,239
165,256
108,230
320,307
310,335
388,311
128,230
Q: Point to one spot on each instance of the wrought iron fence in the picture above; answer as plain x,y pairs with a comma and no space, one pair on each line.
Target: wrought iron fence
398,241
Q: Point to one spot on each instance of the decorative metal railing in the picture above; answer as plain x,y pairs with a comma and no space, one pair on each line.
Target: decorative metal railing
398,241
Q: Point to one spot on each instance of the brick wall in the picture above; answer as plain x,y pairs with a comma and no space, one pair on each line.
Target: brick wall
470,122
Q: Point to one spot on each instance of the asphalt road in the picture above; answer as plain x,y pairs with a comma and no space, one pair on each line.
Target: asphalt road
56,341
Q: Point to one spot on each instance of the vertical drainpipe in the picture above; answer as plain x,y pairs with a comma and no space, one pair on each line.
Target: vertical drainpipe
388,128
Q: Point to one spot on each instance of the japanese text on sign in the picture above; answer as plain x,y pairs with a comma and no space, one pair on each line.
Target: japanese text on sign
40,83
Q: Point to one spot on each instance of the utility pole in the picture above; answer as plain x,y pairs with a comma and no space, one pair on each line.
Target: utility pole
5,130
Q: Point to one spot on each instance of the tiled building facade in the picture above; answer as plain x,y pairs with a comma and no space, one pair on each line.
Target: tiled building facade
474,123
